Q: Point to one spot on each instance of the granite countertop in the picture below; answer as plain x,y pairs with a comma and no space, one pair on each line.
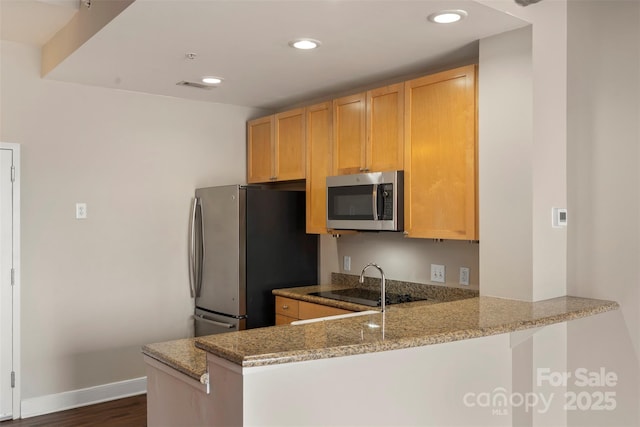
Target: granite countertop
181,355
449,315
184,356
303,294
401,326
433,294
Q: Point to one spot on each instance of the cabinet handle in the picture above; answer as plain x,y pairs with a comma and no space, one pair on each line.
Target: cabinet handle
273,178
285,307
364,169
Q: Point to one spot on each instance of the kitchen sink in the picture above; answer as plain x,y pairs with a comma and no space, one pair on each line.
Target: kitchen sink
367,297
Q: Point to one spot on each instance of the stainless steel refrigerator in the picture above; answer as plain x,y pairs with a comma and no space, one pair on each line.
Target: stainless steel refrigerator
245,241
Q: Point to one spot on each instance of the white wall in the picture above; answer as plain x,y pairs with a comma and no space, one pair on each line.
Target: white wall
505,174
95,290
604,186
601,69
547,167
450,384
419,386
604,148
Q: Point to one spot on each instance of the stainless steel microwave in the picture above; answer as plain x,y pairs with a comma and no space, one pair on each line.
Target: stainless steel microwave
367,201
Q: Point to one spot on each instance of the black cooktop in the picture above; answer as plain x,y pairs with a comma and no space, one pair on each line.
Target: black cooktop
366,296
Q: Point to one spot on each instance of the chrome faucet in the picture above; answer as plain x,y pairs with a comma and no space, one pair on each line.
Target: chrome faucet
383,295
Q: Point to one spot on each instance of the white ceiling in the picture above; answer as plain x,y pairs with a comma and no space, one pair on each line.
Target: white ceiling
246,43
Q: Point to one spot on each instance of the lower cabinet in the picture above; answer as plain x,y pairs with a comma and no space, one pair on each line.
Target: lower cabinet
286,310
289,310
175,399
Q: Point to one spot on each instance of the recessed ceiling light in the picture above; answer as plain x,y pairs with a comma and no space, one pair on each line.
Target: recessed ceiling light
210,80
304,44
447,16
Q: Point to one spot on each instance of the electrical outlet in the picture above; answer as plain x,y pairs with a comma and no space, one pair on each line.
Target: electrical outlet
464,276
437,273
81,211
346,263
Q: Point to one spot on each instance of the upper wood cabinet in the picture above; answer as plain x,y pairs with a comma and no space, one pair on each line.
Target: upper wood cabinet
276,147
385,128
441,155
290,145
349,134
368,131
426,127
319,165
260,150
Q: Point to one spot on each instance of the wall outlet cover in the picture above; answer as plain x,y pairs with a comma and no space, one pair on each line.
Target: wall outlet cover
464,276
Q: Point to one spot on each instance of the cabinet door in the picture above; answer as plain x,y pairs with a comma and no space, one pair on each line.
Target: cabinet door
287,307
349,131
290,159
319,165
284,320
440,155
260,150
385,128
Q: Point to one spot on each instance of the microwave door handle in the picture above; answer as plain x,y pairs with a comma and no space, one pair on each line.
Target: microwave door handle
374,201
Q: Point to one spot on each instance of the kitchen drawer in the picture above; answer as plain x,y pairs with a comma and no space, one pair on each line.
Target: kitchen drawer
287,307
284,320
309,310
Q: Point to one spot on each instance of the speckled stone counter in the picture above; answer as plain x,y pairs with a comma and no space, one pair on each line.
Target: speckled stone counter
303,294
423,290
434,294
185,357
181,355
402,326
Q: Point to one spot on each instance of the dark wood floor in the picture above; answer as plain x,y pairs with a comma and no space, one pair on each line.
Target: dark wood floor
129,412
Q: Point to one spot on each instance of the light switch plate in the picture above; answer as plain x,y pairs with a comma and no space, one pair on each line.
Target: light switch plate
346,263
81,211
438,273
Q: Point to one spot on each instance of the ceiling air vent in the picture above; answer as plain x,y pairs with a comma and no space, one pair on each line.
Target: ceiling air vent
195,85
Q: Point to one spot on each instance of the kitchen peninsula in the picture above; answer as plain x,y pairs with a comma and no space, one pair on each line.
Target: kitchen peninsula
412,365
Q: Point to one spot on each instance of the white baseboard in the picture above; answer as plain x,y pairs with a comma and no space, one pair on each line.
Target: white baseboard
86,396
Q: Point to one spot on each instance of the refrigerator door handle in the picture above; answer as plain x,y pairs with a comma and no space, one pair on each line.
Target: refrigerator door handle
201,318
192,248
195,261
200,260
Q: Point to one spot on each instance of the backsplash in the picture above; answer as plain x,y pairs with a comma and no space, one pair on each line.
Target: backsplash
421,290
401,258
